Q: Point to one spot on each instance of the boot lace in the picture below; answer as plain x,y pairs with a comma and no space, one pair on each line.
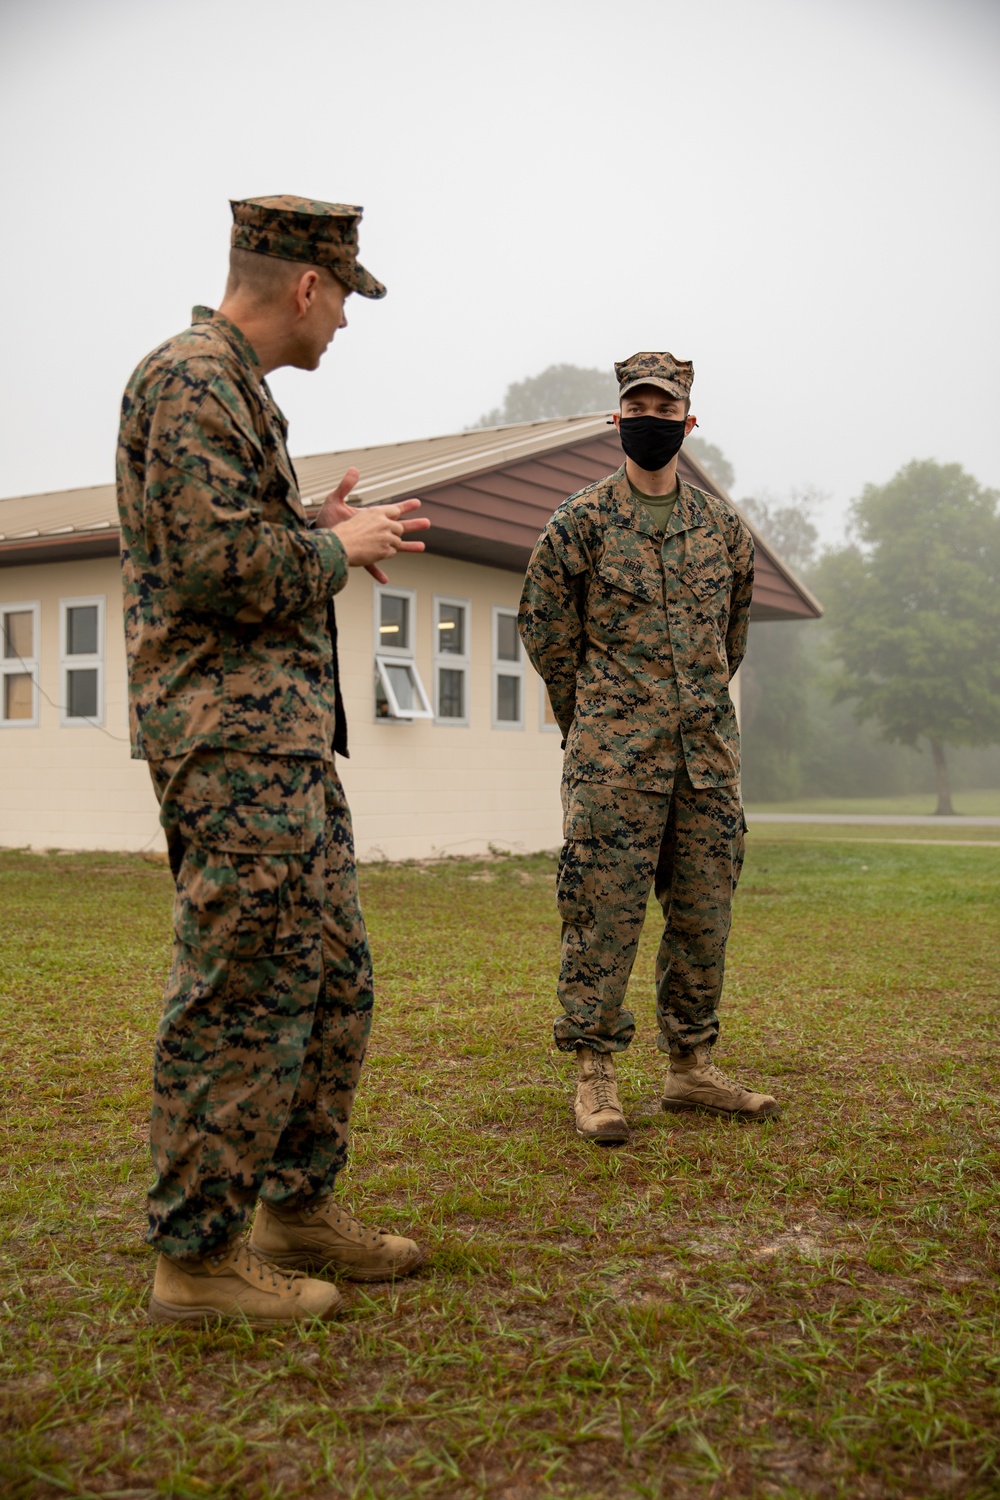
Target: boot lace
346,1222
261,1270
604,1088
723,1080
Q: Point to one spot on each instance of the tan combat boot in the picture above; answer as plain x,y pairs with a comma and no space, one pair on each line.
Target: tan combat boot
694,1082
597,1108
237,1283
327,1237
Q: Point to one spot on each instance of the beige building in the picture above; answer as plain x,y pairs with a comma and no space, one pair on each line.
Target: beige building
453,748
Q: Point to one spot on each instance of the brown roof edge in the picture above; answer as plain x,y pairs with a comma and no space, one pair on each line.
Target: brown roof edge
73,548
431,468
531,442
578,429
706,482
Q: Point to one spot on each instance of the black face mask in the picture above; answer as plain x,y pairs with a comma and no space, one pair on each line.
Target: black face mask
651,442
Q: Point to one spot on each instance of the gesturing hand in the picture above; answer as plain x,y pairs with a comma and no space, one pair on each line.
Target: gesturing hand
370,533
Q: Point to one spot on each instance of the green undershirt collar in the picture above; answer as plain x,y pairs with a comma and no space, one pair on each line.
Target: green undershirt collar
660,507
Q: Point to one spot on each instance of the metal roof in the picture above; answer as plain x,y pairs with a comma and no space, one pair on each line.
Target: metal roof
489,492
387,470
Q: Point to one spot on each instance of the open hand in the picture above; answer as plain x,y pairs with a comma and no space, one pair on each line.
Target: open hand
370,533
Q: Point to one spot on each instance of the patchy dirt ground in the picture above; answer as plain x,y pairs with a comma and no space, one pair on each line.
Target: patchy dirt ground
807,1307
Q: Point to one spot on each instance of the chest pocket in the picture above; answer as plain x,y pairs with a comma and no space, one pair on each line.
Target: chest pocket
706,581
621,594
628,576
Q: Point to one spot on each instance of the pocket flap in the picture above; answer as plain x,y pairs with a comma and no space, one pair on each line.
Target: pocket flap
706,580
577,824
630,575
250,828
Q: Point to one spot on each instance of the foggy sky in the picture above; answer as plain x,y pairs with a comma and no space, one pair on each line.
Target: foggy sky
800,195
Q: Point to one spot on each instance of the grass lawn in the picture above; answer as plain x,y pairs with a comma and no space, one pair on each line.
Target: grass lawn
971,804
805,1307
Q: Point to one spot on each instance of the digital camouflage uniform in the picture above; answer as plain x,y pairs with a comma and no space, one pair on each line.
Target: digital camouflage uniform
268,1002
234,702
636,633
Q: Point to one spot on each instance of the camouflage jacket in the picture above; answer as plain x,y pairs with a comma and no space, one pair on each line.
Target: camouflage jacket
228,593
636,634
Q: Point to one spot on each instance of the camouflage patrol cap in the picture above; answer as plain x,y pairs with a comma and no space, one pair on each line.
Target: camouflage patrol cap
675,376
320,234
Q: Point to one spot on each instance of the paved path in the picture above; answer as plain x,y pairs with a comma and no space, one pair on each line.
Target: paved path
869,839
901,820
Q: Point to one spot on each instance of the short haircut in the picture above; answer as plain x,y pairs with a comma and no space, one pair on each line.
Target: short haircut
263,277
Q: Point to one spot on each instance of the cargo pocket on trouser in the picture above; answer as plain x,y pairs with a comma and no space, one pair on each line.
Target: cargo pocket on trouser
242,888
240,1004
248,922
575,903
575,878
739,848
236,905
593,972
313,1147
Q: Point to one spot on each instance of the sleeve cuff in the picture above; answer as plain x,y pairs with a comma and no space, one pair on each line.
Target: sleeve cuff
332,556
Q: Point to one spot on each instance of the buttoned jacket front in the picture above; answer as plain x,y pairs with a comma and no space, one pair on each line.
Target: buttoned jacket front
637,633
227,591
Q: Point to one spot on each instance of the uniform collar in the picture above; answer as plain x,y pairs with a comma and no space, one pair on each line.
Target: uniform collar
233,335
689,512
627,511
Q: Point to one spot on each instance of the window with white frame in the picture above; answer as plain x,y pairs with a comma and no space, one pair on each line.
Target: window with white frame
81,636
546,718
451,660
19,652
399,692
508,671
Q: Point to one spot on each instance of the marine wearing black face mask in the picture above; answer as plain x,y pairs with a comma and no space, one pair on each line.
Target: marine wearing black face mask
651,442
635,612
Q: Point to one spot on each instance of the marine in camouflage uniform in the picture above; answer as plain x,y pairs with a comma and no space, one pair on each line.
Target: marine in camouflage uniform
234,701
637,629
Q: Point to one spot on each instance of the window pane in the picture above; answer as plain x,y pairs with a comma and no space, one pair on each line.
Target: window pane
451,629
401,681
17,702
81,630
381,701
509,699
19,634
394,622
451,693
507,638
81,693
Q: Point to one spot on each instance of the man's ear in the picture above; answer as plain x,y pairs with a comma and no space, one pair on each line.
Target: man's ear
690,423
305,291
616,418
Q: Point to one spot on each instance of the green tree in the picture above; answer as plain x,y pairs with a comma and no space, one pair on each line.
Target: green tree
779,672
788,524
559,391
713,459
914,610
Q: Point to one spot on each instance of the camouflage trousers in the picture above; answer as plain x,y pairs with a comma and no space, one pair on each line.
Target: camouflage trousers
688,846
268,1002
